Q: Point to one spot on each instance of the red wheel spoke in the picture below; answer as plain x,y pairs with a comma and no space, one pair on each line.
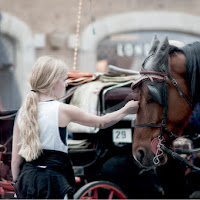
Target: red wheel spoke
95,196
111,194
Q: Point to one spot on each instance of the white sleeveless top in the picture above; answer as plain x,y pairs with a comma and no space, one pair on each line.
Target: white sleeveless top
49,126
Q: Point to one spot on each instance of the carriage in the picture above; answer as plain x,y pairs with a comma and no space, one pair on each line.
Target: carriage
102,159
98,156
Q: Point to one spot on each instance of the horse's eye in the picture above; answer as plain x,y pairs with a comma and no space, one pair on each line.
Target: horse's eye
150,100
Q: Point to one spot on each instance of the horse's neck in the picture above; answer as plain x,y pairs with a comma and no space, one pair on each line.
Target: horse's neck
177,65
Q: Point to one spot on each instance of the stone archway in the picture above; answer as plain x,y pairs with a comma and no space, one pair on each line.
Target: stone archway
25,52
133,21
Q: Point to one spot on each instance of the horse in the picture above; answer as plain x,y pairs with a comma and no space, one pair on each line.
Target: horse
167,92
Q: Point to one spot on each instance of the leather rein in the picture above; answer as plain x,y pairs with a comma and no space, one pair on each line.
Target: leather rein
165,77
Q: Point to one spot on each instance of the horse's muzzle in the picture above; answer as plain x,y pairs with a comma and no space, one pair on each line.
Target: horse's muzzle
149,159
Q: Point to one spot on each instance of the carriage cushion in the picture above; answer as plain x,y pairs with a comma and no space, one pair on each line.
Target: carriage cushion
118,71
76,77
78,74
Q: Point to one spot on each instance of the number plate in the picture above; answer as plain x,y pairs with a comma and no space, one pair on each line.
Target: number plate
123,135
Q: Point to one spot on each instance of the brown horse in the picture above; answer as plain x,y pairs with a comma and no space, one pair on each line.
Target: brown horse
166,94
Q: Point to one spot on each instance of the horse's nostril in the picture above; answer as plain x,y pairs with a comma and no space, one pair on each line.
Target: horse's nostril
140,154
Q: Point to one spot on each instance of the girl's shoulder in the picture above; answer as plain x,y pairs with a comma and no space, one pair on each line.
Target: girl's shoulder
48,103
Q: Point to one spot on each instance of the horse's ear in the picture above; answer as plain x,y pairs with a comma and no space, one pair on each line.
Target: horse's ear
157,61
164,45
154,44
161,55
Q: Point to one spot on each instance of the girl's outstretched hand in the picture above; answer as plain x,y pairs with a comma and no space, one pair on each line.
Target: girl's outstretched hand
132,107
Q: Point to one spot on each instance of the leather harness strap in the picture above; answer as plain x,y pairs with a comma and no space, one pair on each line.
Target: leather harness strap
180,158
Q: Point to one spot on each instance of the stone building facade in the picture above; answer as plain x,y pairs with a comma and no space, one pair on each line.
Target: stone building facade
30,29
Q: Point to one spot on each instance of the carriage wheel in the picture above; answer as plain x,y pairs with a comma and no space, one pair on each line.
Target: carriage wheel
100,190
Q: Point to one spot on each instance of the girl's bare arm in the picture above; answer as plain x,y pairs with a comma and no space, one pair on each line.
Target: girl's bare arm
71,113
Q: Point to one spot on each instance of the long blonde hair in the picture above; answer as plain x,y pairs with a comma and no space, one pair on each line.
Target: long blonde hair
45,73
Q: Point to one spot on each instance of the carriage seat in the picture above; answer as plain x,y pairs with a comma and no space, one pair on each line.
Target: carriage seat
120,94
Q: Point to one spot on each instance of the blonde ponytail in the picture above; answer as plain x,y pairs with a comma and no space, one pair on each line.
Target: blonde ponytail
29,128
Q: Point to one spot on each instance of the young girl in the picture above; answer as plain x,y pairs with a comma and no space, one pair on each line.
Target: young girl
41,167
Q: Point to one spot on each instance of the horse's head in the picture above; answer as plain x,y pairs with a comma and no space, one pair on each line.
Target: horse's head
163,112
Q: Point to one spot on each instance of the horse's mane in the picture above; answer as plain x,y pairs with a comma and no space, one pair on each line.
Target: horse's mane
192,54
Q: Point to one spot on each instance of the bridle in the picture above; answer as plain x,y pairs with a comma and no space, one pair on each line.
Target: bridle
165,78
